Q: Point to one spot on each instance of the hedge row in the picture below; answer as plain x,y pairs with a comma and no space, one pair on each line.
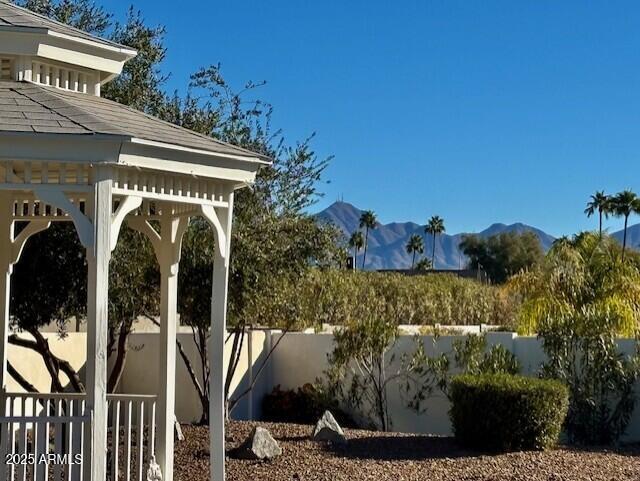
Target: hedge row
507,413
339,297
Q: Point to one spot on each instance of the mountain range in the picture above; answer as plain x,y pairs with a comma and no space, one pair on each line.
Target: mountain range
387,241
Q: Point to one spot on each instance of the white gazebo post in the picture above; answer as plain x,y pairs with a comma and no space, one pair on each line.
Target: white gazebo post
221,220
99,208
167,245
6,238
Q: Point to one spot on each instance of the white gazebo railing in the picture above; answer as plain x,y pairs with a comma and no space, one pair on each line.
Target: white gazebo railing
42,436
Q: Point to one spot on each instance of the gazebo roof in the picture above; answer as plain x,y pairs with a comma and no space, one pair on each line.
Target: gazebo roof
33,109
13,17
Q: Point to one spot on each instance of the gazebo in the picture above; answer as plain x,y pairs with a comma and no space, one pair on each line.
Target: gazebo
68,155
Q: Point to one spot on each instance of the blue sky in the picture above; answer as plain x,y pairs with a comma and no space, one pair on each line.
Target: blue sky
481,112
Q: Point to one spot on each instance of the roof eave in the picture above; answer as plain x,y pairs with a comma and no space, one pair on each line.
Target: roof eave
126,51
255,159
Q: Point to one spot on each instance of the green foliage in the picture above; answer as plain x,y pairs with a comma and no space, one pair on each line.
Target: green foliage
360,363
428,375
506,413
599,203
328,296
502,255
577,278
368,221
56,293
623,204
415,245
423,264
82,14
578,301
434,227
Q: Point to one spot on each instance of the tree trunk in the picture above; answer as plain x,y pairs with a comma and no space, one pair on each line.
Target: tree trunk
624,238
232,403
52,363
433,252
413,260
600,229
366,244
121,358
24,384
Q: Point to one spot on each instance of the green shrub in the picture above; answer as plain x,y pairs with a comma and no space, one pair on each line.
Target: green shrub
500,412
304,405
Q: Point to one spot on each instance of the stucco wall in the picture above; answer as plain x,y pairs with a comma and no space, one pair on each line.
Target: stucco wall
299,358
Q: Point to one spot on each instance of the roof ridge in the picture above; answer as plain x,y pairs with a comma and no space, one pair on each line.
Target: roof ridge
62,99
65,26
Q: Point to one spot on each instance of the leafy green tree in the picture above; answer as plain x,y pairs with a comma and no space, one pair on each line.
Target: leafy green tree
434,227
502,255
415,245
424,264
578,301
623,204
82,14
600,203
368,221
273,234
360,372
356,242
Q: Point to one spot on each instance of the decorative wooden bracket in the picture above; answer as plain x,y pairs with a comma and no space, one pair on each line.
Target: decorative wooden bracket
20,240
209,212
83,224
142,225
127,205
167,244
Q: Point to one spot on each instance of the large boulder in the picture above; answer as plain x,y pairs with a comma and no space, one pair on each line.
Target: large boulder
260,445
328,429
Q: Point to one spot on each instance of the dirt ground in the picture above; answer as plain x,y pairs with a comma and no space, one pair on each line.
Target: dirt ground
398,457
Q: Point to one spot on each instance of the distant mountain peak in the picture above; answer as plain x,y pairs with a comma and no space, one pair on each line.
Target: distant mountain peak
387,241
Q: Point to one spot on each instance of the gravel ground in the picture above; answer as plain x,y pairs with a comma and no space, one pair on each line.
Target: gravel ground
397,457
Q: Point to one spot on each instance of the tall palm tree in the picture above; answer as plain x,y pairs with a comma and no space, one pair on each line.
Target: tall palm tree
414,246
600,203
356,241
623,204
434,227
368,221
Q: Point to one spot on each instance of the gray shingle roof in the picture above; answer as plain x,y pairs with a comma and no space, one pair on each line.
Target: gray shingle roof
27,107
13,16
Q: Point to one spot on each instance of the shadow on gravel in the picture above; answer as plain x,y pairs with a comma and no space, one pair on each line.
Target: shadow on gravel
395,448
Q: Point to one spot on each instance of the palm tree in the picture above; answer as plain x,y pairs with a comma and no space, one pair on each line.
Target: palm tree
600,203
356,241
368,221
423,264
434,227
624,204
415,245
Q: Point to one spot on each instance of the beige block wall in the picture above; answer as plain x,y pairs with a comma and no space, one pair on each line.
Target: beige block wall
300,358
72,348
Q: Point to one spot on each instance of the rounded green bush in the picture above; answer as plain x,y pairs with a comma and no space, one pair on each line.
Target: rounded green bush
501,412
